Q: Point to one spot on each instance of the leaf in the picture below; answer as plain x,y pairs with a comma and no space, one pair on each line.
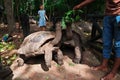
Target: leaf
80,11
13,57
77,18
72,16
47,77
11,47
9,62
71,64
6,46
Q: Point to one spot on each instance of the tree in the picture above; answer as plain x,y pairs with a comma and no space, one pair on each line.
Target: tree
9,13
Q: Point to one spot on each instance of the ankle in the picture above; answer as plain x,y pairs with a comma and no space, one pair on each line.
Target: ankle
105,63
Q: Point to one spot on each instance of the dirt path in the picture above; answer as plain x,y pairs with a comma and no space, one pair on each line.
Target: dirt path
69,71
35,68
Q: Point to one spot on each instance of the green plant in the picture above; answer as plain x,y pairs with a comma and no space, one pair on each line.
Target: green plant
6,46
71,16
47,78
71,64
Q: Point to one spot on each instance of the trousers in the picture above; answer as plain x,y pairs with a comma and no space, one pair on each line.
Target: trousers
111,36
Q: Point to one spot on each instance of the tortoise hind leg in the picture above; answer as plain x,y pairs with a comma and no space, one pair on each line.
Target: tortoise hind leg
77,48
77,55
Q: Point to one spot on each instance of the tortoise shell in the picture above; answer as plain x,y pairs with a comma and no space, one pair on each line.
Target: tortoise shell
34,41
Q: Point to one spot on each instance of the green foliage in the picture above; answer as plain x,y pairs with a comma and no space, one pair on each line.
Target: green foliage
52,7
55,7
71,16
8,60
6,46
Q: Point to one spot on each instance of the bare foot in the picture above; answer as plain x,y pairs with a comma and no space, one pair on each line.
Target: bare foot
109,76
101,67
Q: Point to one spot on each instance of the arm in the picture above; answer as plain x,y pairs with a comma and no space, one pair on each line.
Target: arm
85,2
46,17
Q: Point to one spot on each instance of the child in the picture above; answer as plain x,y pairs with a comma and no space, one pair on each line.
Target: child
24,19
42,18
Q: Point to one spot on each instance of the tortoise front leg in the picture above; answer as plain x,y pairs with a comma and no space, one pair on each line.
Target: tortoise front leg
60,57
48,57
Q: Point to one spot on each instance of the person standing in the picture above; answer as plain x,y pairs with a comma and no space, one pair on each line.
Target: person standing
42,18
24,19
111,35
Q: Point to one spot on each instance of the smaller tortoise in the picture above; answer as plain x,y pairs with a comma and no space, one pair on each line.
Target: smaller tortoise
40,43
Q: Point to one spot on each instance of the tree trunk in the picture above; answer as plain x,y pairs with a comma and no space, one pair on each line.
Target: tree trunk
16,10
9,13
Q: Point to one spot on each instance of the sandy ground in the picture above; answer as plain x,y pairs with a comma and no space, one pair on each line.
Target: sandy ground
36,70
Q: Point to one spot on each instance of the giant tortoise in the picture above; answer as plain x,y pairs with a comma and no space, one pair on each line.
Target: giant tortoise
46,42
39,43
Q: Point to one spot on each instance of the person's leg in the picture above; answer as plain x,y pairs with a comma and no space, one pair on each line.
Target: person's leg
42,25
44,28
107,43
114,70
24,31
27,29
